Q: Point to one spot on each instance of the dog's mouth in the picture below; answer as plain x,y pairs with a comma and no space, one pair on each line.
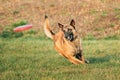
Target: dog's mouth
69,36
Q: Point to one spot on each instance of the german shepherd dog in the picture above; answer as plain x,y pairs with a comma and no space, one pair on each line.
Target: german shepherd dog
66,42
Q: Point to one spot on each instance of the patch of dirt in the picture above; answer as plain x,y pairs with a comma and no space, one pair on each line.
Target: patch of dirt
96,17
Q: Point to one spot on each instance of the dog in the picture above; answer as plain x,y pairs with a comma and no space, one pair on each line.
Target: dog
66,42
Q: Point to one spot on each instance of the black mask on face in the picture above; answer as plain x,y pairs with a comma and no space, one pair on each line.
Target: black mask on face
69,35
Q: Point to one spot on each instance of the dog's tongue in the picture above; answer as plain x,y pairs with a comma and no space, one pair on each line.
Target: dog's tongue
69,38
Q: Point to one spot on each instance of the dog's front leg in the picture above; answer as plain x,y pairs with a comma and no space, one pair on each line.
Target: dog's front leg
79,55
74,60
71,58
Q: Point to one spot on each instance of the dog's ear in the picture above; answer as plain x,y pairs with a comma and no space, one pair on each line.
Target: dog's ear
60,25
72,23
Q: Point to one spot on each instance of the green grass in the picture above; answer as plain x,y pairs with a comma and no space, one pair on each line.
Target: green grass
35,59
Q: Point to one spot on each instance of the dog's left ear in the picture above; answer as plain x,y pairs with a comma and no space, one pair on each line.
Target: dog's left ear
60,25
72,23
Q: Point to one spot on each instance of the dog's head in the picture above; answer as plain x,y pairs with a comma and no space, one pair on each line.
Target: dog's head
69,30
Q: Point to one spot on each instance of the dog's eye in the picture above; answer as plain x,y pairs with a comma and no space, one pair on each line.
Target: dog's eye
69,30
63,30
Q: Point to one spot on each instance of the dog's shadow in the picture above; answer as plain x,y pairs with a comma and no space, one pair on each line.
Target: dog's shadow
99,59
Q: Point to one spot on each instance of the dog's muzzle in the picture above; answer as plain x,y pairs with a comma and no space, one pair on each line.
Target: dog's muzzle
69,36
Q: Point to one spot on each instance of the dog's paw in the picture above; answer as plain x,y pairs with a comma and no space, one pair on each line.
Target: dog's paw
86,61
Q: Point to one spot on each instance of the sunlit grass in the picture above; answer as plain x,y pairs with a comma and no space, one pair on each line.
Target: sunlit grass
35,59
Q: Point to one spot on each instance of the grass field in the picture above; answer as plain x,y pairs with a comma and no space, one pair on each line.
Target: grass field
35,59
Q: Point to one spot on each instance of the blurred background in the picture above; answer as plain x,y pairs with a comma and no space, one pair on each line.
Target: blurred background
95,19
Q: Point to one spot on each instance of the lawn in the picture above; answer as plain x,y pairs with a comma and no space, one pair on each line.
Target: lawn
36,59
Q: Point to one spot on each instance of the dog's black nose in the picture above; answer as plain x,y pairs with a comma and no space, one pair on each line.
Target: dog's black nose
69,36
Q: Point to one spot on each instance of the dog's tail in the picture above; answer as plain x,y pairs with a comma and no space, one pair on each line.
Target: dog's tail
47,28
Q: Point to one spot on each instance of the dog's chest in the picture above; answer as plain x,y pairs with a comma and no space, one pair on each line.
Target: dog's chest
64,46
72,48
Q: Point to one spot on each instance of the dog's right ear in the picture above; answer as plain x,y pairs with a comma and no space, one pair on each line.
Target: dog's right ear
60,25
72,23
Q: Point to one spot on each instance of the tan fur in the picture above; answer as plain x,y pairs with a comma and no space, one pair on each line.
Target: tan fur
47,29
64,47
